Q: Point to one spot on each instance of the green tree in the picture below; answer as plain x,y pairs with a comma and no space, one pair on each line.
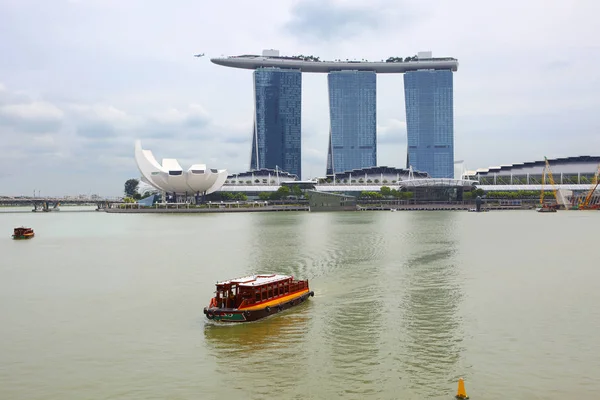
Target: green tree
478,192
240,197
385,191
296,191
131,186
227,196
281,193
264,196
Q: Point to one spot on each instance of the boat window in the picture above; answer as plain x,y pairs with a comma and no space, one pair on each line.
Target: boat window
257,296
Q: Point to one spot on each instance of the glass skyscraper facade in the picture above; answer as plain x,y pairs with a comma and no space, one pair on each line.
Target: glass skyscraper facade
276,138
353,120
430,121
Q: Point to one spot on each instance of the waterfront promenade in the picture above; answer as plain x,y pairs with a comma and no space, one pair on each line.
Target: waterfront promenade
186,209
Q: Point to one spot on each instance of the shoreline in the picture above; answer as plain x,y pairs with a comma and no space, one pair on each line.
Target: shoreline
412,207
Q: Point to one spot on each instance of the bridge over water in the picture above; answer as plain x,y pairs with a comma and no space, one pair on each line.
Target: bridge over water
50,203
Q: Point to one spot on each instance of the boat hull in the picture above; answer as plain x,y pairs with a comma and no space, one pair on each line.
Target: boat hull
254,313
546,210
23,237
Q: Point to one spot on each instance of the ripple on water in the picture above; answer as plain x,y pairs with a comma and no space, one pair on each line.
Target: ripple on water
404,304
254,350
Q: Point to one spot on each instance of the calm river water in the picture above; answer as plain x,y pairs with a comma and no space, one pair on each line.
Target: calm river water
107,306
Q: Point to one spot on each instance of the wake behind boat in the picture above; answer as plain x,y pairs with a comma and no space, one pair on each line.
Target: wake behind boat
254,297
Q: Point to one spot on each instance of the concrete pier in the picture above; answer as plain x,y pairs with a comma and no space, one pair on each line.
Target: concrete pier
194,210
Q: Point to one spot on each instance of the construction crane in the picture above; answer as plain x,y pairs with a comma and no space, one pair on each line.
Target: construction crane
548,172
585,204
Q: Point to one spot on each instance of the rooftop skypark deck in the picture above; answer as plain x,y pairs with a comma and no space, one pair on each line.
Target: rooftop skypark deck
391,65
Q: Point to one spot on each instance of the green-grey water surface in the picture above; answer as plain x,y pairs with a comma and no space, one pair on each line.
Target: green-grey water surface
108,306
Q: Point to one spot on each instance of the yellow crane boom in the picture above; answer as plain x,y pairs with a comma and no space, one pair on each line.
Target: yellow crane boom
593,188
548,172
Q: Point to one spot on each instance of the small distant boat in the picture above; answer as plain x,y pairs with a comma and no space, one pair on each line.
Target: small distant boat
23,233
392,209
545,208
254,297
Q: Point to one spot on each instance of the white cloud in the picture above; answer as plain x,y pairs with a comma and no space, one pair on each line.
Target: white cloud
36,110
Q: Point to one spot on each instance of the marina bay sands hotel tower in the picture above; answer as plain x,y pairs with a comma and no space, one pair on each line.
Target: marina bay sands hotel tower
428,93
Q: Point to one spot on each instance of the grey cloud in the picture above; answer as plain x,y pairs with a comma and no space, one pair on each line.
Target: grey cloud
191,126
313,156
196,121
557,64
29,122
393,132
9,97
393,136
96,130
237,139
30,125
231,154
330,20
154,132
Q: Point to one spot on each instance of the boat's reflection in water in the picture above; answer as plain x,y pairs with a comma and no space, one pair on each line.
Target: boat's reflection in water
251,351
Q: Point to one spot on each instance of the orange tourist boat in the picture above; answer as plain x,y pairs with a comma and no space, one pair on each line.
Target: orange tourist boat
255,297
22,233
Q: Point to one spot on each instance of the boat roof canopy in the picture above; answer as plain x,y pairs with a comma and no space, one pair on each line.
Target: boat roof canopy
256,280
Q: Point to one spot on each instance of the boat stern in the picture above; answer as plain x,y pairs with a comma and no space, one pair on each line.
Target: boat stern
224,315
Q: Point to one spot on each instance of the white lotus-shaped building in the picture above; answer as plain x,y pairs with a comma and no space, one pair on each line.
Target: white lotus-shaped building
170,177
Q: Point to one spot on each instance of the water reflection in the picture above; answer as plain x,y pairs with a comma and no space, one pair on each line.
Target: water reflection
252,352
277,244
385,312
352,320
430,300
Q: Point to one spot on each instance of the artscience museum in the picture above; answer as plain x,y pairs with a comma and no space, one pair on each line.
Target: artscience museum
170,178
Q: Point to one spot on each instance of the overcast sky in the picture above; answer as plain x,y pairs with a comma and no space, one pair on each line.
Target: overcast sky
80,80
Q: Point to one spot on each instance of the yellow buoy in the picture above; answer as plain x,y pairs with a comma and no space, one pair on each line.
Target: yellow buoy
461,393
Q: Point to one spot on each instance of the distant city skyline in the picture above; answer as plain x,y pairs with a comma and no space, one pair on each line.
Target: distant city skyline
73,102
